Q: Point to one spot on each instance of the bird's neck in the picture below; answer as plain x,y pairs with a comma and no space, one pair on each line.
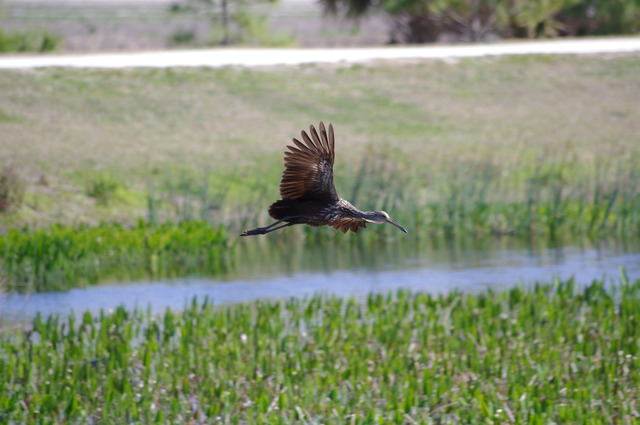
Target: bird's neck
370,216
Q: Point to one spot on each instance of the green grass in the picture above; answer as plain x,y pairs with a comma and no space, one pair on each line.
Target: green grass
544,354
61,257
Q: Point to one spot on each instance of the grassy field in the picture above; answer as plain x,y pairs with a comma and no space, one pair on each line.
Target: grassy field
544,354
94,145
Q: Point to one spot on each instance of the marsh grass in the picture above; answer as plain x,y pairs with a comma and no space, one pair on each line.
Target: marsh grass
480,198
557,353
61,257
194,219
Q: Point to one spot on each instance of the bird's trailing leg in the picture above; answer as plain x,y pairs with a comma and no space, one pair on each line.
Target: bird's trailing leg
264,230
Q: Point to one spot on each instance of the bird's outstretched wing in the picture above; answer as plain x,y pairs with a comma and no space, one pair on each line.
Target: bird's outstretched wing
308,169
349,223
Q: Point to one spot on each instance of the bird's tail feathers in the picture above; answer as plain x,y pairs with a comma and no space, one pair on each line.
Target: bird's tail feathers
283,208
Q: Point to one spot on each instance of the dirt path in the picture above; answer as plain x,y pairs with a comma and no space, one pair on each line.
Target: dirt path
292,56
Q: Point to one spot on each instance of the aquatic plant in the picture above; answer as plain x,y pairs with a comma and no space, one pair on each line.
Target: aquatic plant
545,353
62,257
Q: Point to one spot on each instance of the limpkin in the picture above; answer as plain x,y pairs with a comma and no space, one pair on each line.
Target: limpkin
307,190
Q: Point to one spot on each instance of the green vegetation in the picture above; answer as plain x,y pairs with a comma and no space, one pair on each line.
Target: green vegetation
232,22
61,257
419,21
549,353
102,188
30,41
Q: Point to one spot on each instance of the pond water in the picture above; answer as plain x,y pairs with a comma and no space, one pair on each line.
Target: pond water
280,270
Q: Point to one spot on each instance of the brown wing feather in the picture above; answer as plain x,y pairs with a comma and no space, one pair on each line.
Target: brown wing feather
349,223
308,165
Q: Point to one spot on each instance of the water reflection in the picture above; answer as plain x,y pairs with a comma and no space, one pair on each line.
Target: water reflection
262,259
268,269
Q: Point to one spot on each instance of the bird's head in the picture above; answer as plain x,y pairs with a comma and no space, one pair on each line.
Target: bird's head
380,217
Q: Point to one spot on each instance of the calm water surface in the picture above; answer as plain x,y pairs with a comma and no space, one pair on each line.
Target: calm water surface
266,271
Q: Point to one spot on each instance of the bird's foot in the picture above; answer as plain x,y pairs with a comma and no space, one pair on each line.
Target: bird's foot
258,231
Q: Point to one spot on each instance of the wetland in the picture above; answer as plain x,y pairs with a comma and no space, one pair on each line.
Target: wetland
127,295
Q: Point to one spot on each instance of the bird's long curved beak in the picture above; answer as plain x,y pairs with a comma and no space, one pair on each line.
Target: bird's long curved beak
397,225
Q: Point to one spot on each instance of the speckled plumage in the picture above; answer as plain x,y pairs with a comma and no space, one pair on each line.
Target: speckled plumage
308,193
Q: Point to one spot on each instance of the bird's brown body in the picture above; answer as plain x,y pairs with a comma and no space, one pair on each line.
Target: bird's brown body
308,193
317,213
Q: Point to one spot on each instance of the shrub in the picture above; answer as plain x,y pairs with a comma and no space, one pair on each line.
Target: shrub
11,190
102,188
30,41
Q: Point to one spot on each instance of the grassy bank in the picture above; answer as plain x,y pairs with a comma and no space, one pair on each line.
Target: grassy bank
199,235
104,145
63,257
550,353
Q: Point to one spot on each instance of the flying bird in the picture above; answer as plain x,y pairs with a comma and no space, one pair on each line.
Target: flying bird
307,191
